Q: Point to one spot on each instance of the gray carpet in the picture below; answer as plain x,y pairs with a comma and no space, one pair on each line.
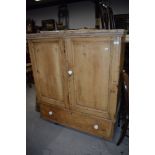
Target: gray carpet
46,138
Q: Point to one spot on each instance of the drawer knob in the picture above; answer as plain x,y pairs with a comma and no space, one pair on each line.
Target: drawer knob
95,126
70,72
50,113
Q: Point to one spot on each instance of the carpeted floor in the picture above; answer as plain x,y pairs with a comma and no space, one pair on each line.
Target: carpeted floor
46,138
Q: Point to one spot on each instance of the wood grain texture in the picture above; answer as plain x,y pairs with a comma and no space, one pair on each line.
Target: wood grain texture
49,70
75,33
89,95
89,58
114,76
34,68
78,121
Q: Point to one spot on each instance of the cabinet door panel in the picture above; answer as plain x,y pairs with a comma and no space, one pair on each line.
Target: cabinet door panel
50,68
90,62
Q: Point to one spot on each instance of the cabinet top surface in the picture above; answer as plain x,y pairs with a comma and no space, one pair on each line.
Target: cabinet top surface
81,32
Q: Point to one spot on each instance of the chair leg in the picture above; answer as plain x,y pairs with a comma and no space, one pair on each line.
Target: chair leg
119,118
123,133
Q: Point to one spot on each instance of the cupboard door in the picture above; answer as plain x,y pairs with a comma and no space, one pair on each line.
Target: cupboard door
89,60
49,60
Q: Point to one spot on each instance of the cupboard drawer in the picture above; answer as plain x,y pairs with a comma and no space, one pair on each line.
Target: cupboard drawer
93,125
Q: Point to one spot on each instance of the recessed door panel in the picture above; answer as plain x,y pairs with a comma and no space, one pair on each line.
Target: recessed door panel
50,71
91,60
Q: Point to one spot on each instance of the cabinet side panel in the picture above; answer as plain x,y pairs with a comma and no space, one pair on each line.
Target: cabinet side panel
115,75
34,68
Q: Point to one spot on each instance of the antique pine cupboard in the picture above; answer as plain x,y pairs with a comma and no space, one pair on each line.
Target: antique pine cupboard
76,76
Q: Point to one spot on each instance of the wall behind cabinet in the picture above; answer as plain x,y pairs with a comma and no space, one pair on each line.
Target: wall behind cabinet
82,14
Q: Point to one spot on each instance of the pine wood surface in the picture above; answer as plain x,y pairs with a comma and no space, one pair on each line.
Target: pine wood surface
95,60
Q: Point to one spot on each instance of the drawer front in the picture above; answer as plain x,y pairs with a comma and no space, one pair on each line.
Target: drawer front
86,123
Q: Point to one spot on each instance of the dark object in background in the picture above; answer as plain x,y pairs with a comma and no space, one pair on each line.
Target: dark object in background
97,15
124,106
29,74
38,29
60,26
27,54
126,58
48,25
104,15
122,21
30,26
63,17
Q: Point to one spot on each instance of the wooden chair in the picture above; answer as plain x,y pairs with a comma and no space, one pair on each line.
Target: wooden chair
124,107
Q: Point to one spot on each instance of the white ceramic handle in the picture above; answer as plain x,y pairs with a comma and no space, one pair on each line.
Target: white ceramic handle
96,127
50,113
70,72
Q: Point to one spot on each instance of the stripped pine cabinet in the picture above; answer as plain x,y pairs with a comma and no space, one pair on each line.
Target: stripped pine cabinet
76,76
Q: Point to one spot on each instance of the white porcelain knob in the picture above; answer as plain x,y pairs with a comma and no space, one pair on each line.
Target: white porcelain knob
95,126
116,42
70,72
50,113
